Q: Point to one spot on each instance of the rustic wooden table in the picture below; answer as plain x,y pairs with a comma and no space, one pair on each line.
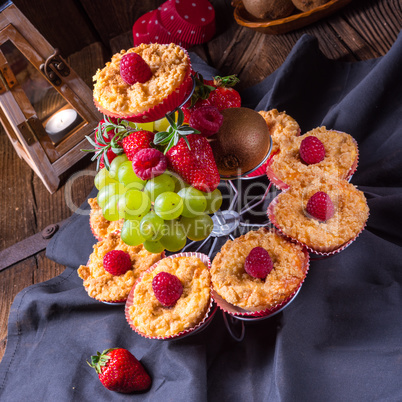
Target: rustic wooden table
362,30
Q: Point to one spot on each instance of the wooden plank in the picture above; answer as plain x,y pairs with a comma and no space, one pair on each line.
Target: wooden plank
65,24
113,18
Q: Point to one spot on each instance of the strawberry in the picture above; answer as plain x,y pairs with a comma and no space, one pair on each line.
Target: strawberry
189,154
133,69
224,96
136,141
216,92
193,160
258,263
118,370
116,262
320,206
311,150
115,136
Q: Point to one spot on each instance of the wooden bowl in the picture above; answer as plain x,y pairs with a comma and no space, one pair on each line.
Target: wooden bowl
287,24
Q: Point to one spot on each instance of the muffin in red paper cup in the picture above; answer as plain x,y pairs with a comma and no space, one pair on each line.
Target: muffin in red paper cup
101,227
258,273
325,216
113,268
172,299
282,128
193,22
156,81
140,28
319,152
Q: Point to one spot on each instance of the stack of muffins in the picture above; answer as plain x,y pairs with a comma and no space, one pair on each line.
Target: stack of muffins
297,232
301,180
254,275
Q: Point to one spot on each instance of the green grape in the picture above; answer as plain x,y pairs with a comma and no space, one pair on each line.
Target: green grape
110,211
197,228
115,164
133,203
108,191
168,205
126,176
179,183
194,202
158,185
103,178
153,246
214,201
151,226
130,233
174,237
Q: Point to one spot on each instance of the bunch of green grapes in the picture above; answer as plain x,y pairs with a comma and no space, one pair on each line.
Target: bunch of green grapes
160,213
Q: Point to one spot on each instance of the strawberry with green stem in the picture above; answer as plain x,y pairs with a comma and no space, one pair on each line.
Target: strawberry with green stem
119,370
113,138
189,154
218,92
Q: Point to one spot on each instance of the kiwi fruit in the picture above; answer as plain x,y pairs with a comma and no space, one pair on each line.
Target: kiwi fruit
241,143
307,5
269,9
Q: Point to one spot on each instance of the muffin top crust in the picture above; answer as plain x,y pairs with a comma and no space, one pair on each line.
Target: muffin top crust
170,66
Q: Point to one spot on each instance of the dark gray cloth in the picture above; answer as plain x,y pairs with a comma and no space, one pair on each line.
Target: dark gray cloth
339,340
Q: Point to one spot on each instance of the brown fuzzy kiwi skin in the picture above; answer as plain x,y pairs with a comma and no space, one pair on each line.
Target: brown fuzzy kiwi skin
269,9
242,141
307,5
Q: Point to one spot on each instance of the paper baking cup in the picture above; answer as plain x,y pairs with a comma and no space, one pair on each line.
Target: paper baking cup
262,170
355,163
170,103
159,34
140,28
322,251
192,21
191,331
240,312
281,185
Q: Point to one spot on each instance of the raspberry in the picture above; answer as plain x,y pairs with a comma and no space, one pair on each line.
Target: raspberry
312,150
133,68
320,206
258,263
117,262
167,288
148,163
207,120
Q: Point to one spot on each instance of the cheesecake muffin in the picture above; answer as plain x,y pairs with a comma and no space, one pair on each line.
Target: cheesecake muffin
331,154
144,89
240,287
105,286
282,128
149,312
325,215
100,226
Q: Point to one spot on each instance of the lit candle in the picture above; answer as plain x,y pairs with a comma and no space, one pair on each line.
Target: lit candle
61,123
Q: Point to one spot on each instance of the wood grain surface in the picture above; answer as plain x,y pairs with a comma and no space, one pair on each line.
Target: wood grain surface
362,30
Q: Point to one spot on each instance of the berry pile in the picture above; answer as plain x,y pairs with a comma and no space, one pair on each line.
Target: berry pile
163,185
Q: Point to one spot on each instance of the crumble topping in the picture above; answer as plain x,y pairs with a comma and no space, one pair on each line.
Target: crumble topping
230,280
169,65
150,317
104,286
